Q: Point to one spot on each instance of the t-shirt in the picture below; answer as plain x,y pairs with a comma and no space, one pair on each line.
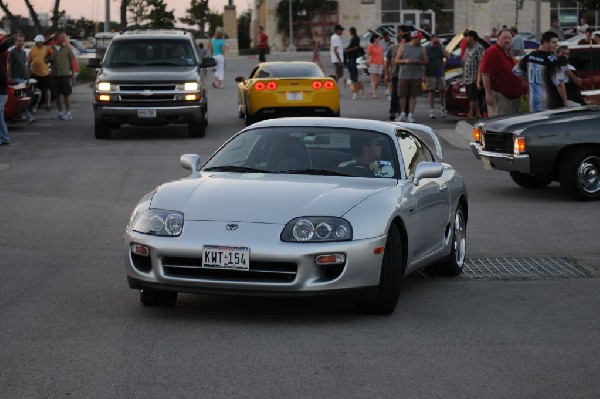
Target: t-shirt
518,46
390,55
263,40
18,63
61,60
411,71
498,65
471,63
354,42
37,57
543,74
375,52
436,61
217,46
336,42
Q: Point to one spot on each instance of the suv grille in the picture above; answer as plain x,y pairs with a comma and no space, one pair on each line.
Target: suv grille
140,94
126,87
281,272
498,142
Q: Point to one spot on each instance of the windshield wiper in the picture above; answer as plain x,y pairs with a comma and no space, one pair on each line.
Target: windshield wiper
311,171
233,168
113,64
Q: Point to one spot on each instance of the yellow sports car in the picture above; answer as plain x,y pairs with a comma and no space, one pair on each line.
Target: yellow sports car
276,89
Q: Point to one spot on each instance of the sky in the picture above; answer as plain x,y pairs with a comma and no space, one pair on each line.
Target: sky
94,9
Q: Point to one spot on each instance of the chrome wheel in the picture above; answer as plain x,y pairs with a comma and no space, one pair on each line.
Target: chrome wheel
588,174
460,238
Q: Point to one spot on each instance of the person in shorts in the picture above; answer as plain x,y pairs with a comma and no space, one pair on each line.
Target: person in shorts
336,51
412,59
471,76
62,75
375,58
435,74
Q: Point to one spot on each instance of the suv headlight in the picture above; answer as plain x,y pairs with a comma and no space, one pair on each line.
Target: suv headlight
317,229
158,222
188,86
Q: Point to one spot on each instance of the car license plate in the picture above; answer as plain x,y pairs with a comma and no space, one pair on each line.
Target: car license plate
224,257
295,96
487,165
146,113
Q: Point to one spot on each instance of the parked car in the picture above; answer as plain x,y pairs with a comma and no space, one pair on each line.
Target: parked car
303,207
538,148
295,88
150,78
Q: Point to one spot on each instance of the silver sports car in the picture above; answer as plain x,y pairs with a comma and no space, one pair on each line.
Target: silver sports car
303,206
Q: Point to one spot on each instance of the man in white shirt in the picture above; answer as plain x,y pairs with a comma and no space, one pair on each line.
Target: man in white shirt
337,51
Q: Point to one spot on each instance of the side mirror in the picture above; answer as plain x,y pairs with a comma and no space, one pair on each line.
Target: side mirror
428,170
190,162
208,62
94,63
240,79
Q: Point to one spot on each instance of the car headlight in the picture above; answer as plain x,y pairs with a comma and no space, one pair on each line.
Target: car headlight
188,86
158,222
317,229
104,86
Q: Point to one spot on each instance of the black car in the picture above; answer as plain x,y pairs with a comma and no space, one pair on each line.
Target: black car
537,148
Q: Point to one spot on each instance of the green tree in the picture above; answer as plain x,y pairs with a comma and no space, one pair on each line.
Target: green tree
56,15
197,16
243,24
14,22
150,14
214,20
34,16
80,28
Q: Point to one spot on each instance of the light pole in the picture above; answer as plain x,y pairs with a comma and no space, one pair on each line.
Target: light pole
107,16
291,46
538,22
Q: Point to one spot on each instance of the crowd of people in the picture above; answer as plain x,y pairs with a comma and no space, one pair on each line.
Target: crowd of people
493,78
51,62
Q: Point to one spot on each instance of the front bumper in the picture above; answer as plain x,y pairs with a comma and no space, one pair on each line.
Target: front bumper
495,160
276,268
181,114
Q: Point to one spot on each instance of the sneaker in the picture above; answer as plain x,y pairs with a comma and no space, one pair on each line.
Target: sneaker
67,116
59,116
387,92
401,118
354,96
444,113
432,114
410,118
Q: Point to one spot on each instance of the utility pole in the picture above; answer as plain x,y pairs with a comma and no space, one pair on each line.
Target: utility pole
107,16
538,20
291,46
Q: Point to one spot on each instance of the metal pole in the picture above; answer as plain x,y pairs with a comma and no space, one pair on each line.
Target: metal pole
538,18
107,16
291,46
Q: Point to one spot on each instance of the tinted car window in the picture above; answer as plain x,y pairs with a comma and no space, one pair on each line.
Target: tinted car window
311,150
413,151
291,71
157,52
585,60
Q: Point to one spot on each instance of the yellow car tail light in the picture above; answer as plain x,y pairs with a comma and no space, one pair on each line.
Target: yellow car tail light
260,86
271,85
317,85
329,85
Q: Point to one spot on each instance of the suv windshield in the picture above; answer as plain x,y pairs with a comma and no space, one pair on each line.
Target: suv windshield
155,52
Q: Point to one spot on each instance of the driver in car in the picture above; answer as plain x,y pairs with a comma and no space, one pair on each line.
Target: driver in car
367,156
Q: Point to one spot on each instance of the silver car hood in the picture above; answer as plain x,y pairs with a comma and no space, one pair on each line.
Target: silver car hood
265,198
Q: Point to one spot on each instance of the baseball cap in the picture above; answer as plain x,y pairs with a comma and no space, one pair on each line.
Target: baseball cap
472,33
414,33
39,38
338,27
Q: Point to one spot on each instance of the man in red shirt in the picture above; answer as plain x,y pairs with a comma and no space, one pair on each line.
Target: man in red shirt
263,44
502,87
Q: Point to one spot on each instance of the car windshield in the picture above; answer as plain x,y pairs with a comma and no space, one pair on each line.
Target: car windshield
325,151
156,52
291,70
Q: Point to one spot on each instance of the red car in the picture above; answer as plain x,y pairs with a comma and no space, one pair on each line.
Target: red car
18,97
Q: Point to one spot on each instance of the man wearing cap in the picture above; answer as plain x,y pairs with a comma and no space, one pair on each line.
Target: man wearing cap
36,64
471,78
412,59
337,51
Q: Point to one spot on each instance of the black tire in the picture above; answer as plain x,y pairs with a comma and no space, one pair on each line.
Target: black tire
101,131
453,265
579,174
392,274
197,129
158,298
248,120
530,181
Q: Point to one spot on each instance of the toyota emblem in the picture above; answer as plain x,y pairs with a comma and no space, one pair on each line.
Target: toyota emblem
231,227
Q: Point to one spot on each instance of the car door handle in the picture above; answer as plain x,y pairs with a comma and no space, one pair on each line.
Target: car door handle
443,187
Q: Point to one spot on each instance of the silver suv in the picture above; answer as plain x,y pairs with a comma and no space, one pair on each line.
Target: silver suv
150,78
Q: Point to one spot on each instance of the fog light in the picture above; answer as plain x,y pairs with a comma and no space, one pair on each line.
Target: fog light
103,97
191,97
330,259
141,250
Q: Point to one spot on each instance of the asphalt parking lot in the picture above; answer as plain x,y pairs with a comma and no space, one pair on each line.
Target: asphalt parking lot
70,326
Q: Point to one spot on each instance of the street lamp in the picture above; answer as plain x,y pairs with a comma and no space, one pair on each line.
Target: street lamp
107,16
291,47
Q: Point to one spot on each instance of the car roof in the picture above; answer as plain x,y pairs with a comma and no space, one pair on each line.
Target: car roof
350,123
275,63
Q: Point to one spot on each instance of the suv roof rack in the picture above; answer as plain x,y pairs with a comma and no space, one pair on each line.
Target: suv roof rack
173,31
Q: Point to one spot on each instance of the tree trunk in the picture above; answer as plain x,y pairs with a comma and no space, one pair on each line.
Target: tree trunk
34,16
124,4
14,23
55,15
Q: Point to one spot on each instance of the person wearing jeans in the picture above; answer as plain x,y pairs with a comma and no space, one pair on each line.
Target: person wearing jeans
4,138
